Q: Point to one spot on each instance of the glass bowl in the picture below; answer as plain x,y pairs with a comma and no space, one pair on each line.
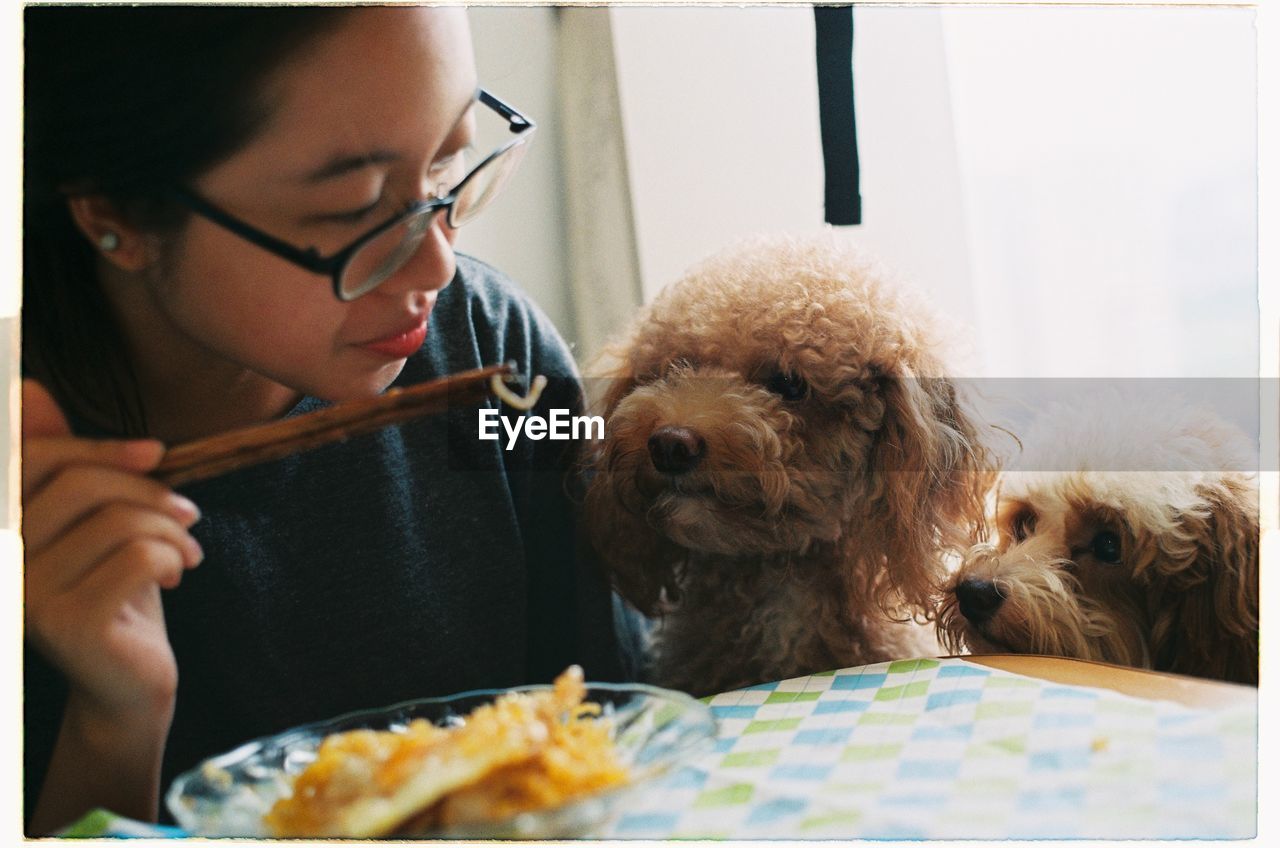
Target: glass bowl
654,730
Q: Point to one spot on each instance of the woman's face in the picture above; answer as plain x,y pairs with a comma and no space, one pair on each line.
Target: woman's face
372,114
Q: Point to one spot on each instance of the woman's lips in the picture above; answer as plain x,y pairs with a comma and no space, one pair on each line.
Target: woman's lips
401,345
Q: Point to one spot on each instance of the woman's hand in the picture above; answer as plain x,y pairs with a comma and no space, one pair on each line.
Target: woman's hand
102,539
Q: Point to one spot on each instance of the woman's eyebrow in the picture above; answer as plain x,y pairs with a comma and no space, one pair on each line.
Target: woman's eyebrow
344,163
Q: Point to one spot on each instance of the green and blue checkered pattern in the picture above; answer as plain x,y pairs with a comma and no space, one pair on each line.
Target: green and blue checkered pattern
945,749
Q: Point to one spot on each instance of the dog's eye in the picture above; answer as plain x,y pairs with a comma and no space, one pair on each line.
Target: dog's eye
788,386
1106,546
1024,524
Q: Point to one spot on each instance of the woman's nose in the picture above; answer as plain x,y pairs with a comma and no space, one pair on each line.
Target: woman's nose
432,264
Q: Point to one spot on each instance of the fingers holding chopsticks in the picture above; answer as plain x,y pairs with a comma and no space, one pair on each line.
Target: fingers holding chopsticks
74,494
83,498
48,445
112,525
43,456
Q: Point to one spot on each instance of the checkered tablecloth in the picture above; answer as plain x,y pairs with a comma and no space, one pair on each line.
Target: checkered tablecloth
942,749
946,749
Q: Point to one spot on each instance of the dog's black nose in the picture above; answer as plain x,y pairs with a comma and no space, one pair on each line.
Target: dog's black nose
979,600
676,450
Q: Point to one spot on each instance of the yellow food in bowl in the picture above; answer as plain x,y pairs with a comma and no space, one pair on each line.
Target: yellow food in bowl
524,751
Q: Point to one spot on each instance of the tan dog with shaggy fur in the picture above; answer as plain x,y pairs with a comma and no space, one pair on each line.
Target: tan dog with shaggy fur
1155,567
785,461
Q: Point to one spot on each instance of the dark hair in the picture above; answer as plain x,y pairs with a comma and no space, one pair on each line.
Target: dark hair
127,103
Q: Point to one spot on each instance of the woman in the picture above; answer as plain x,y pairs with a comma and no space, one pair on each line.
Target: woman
189,172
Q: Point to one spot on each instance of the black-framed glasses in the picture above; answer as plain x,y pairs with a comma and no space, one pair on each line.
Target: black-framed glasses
370,260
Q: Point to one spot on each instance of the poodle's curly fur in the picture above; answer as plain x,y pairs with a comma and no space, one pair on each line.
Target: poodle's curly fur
823,462
1154,568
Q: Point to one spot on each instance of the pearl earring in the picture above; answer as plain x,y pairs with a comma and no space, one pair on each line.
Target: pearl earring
108,241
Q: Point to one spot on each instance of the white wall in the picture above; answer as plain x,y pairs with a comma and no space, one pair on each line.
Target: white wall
1110,175
721,109
10,287
719,120
523,232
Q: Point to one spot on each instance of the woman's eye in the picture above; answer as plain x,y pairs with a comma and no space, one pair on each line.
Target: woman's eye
355,216
788,386
1106,547
1024,524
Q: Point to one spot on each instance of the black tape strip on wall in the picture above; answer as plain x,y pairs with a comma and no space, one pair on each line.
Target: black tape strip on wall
834,40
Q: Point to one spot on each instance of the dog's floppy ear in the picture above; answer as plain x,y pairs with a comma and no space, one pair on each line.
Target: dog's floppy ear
1206,609
640,562
609,378
935,473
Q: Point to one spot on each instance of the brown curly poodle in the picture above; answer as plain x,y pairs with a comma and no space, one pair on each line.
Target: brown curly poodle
1129,534
785,462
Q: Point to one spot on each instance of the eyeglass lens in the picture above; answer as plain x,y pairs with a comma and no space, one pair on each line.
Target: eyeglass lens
385,254
476,190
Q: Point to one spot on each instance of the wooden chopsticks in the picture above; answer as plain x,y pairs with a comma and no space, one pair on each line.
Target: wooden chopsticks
214,455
